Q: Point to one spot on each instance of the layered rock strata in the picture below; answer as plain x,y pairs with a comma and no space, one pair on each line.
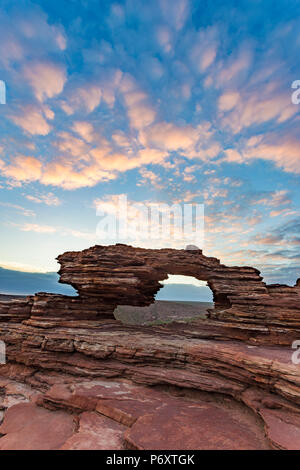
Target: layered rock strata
142,377
15,310
228,381
123,275
108,276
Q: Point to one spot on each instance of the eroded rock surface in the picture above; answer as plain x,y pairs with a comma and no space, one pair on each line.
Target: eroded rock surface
108,276
225,382
105,414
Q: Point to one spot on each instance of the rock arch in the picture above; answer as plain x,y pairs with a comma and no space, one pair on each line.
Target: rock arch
107,276
124,275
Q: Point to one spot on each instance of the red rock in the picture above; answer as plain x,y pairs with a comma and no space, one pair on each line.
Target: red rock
29,427
123,402
76,356
15,310
202,427
282,428
96,433
108,276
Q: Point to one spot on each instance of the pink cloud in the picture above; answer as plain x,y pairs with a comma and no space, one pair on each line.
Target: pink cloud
228,100
234,67
254,108
38,228
283,150
192,142
149,176
33,119
67,143
22,168
275,199
168,136
87,97
85,130
203,50
47,79
208,57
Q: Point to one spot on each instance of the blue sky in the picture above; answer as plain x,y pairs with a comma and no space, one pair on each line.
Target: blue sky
164,101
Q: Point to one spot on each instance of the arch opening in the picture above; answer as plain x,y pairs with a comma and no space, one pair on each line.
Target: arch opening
181,298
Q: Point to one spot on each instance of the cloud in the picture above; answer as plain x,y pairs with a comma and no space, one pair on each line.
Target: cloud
208,57
22,168
85,130
149,176
267,239
228,100
16,266
49,199
84,95
151,155
137,106
255,106
286,235
274,198
62,231
24,30
47,79
21,209
164,38
202,48
69,144
141,114
37,228
192,142
33,119
281,149
64,173
235,66
255,220
233,156
175,12
11,49
80,163
142,230
121,139
87,97
61,40
168,136
282,212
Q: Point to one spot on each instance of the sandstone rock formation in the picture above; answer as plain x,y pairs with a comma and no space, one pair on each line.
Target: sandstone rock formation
108,276
15,310
108,385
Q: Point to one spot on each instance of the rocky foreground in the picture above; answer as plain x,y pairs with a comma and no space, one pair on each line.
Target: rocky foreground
76,378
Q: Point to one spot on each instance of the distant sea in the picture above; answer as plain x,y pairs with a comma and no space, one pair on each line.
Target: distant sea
24,283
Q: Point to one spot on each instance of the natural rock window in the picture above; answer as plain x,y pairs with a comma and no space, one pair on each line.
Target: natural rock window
181,298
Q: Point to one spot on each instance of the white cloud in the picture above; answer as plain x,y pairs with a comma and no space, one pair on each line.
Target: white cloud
49,199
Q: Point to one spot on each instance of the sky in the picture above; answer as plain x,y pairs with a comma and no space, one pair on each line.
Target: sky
165,101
